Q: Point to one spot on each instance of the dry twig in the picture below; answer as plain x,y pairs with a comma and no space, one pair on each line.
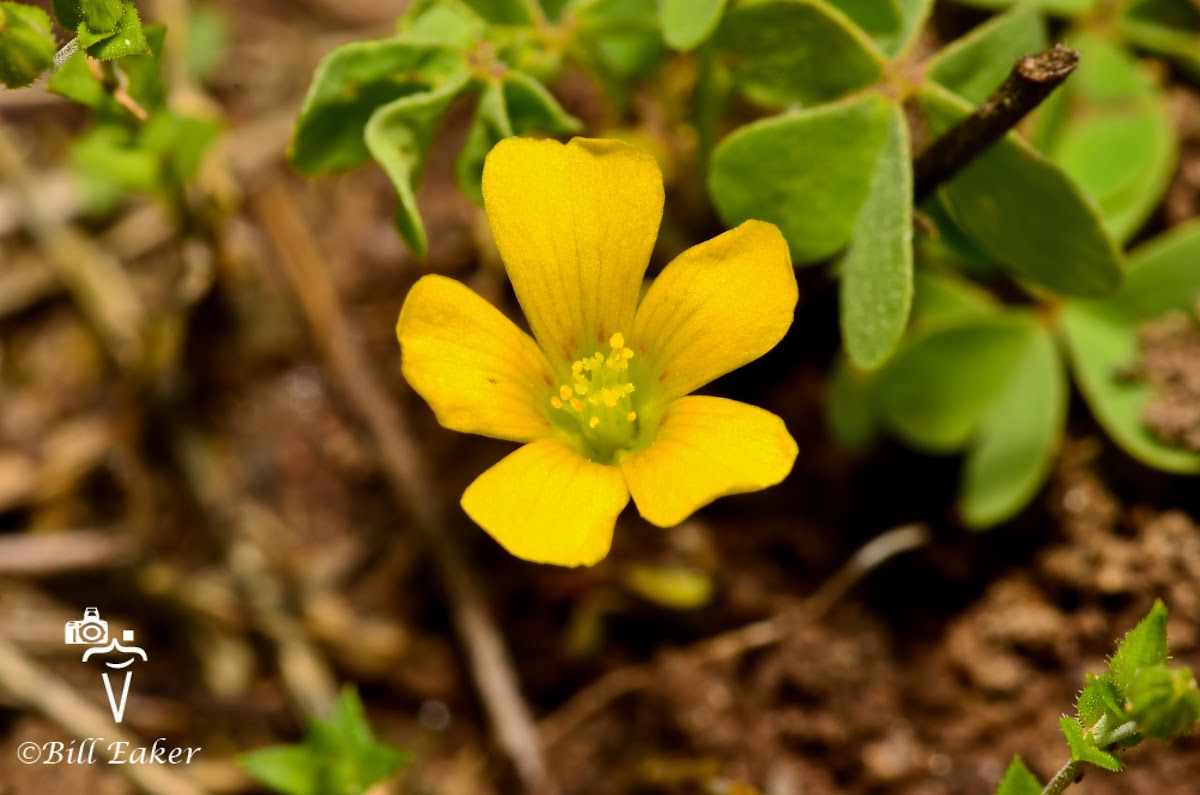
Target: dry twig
348,366
1032,79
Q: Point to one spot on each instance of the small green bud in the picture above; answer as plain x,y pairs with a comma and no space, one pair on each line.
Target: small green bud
1164,703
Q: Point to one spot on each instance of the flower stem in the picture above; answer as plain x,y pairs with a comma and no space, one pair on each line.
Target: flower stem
1032,79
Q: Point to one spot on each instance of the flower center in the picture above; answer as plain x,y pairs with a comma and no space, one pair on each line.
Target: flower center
598,400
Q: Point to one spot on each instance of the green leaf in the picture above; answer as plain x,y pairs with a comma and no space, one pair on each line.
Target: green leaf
1101,337
142,78
398,136
1100,699
806,171
850,410
877,271
1102,346
1018,780
621,38
1164,703
1162,276
287,769
27,44
782,52
940,242
1011,456
112,166
350,84
1083,748
128,39
339,756
1144,646
936,390
102,14
1066,8
451,23
69,13
1112,134
944,299
180,140
503,12
975,65
686,23
209,33
1168,27
515,104
878,17
1026,213
913,16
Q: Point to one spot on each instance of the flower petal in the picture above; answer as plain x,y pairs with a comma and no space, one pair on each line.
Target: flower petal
575,225
476,369
717,306
546,503
705,448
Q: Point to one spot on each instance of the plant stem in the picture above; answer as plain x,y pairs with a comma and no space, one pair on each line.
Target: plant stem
1032,79
1067,775
1072,771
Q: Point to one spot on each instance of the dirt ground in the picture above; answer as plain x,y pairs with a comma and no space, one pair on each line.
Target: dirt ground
222,492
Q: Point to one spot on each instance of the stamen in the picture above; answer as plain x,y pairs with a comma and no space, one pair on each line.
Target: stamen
598,395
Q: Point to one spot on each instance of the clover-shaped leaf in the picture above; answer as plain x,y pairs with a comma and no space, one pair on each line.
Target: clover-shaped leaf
1012,452
398,136
772,169
686,23
877,271
1101,339
782,51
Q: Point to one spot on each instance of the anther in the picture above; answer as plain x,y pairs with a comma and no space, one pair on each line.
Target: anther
554,401
593,422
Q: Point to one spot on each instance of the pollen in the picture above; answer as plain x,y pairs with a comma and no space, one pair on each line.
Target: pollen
597,400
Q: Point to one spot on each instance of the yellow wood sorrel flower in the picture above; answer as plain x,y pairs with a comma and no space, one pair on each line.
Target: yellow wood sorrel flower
600,399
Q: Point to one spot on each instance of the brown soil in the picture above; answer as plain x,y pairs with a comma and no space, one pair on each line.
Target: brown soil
1171,363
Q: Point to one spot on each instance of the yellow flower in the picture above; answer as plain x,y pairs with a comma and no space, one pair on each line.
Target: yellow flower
600,400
